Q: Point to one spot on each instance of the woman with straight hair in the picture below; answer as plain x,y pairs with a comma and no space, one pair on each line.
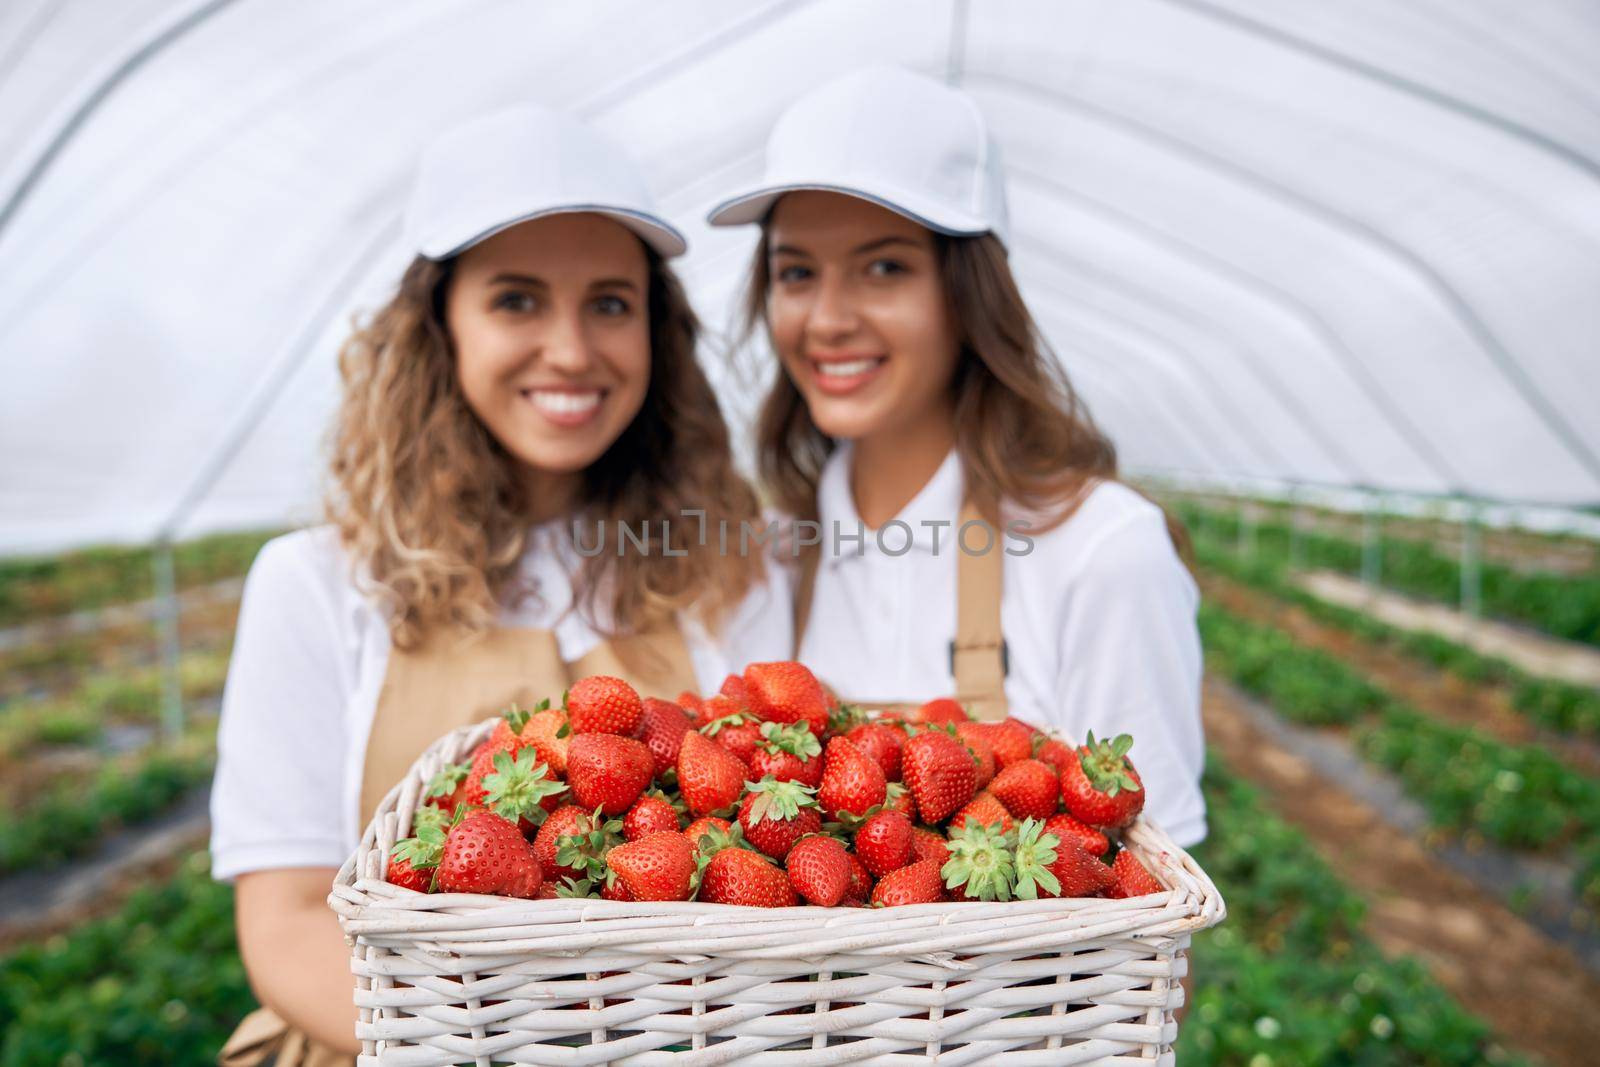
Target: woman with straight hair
528,394
974,536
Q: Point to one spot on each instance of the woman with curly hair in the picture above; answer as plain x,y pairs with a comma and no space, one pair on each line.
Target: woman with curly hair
524,465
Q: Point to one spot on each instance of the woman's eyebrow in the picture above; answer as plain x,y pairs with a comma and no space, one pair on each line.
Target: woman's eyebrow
509,278
873,246
613,283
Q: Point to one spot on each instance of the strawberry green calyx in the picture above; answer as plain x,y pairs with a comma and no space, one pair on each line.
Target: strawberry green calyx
580,887
1031,858
423,850
446,780
516,718
715,726
777,800
1104,766
429,816
846,717
981,861
715,840
516,788
586,852
796,739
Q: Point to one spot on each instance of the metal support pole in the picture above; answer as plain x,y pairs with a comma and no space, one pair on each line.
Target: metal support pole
1471,563
1297,548
1372,543
1247,530
167,619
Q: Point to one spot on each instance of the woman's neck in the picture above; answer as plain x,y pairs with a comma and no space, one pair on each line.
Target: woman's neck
551,494
889,469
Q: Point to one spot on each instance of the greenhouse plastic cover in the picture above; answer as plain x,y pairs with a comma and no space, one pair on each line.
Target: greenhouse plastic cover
1344,244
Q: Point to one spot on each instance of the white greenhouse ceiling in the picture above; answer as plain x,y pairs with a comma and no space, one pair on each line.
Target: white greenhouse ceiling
1346,244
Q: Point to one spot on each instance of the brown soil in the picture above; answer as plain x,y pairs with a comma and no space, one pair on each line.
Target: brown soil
1438,693
1537,996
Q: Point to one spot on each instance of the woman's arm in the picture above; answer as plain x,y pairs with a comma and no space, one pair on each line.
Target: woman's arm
295,952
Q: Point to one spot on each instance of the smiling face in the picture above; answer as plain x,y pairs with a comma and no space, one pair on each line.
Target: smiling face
551,329
858,315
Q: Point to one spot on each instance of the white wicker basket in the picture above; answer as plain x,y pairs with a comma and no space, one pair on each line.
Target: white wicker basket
454,978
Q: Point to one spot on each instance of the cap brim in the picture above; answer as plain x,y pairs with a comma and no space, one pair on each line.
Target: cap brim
754,205
657,233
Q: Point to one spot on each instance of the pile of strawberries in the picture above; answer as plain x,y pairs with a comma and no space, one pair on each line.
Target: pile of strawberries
771,794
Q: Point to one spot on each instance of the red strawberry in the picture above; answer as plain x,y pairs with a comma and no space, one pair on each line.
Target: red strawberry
734,689
1067,828
819,869
884,842
898,798
657,867
547,731
1028,789
615,889
1130,878
567,821
549,891
607,771
1079,873
739,876
975,735
941,774
919,883
883,743
691,703
984,809
859,891
709,776
774,815
650,814
413,861
739,733
1012,740
1049,867
787,692
928,845
701,826
851,780
484,853
661,729
1101,787
940,710
1055,752
788,753
604,705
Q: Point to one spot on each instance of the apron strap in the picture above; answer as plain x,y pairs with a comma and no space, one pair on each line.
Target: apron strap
979,659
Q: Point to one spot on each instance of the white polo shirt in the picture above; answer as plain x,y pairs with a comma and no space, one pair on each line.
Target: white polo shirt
308,662
1099,620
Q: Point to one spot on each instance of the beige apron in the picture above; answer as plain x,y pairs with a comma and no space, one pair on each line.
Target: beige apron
978,657
433,690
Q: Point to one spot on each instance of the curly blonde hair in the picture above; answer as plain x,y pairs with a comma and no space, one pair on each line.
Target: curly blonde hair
429,505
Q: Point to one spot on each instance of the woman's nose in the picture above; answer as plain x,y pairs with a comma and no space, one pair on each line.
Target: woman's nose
833,312
564,346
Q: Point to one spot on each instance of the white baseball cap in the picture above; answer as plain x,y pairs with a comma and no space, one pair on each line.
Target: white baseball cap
902,140
519,164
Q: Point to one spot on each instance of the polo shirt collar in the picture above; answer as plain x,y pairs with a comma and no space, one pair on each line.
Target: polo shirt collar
938,501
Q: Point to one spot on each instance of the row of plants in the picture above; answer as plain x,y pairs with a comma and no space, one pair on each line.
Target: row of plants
73,813
112,696
1564,606
38,587
1556,705
1290,978
1518,796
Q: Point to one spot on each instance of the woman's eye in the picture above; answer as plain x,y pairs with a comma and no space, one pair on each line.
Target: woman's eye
879,268
514,301
792,273
611,305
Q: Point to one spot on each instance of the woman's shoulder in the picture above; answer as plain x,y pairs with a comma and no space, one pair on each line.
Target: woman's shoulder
1111,519
305,567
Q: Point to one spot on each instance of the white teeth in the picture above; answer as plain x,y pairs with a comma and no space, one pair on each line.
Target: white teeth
563,403
847,369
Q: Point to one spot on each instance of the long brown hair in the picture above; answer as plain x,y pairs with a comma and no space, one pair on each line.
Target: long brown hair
430,505
1021,431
